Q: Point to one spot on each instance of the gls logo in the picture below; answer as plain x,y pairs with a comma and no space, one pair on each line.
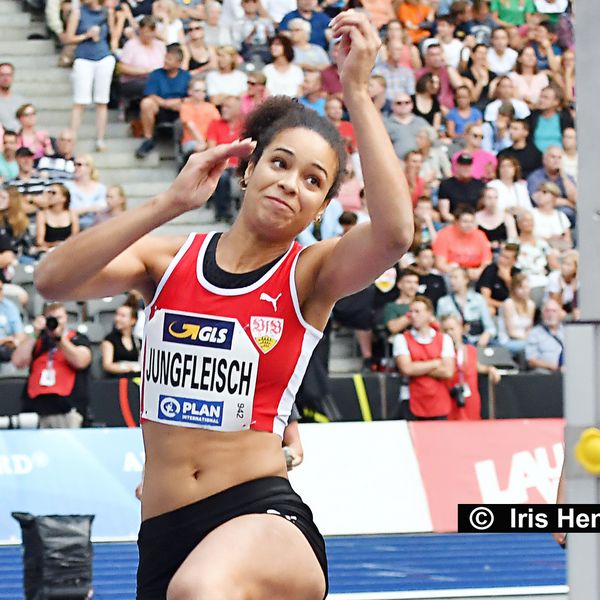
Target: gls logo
198,331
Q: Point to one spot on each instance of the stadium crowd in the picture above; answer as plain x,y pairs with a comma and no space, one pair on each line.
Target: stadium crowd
477,97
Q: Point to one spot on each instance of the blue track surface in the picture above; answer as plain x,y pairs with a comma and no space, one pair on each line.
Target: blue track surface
380,563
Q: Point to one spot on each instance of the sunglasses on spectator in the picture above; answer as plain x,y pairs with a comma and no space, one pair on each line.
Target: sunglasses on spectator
253,83
80,164
401,102
28,113
477,135
198,89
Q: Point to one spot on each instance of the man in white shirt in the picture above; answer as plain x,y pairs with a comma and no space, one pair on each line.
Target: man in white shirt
451,46
501,58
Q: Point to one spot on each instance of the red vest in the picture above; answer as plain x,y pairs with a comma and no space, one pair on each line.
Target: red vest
429,397
472,409
224,359
65,373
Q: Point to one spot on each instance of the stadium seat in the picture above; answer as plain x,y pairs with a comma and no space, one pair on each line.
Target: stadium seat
496,356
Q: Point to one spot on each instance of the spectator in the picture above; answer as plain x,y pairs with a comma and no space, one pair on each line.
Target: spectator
402,125
536,257
431,283
549,223
483,162
306,55
425,102
494,283
9,101
510,13
526,154
495,133
165,89
319,22
501,58
463,114
277,9
330,76
87,194
478,77
57,222
436,165
470,306
464,385
224,131
380,12
503,90
413,161
37,141
215,35
9,169
413,14
563,284
11,330
256,94
226,80
328,227
550,171
462,244
283,77
29,184
395,32
199,57
251,33
58,359
377,92
312,96
547,124
482,23
544,347
120,349
451,46
427,219
116,201
461,188
350,194
570,157
169,27
516,315
547,51
528,81
426,356
552,8
191,10
513,195
449,77
14,224
88,28
60,165
395,313
196,116
334,111
564,77
140,56
498,225
398,77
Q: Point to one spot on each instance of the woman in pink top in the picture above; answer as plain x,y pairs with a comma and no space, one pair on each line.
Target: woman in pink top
256,94
37,141
528,82
484,163
395,32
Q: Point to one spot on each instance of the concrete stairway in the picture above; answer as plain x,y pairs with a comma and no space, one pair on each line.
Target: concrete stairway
48,87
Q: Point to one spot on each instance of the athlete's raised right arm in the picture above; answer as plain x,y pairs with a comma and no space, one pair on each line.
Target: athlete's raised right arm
118,255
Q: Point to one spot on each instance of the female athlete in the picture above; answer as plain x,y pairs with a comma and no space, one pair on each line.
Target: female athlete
231,323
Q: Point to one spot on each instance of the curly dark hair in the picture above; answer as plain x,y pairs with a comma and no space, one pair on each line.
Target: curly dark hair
279,113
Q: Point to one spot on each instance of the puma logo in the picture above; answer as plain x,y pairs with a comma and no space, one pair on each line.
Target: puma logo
273,301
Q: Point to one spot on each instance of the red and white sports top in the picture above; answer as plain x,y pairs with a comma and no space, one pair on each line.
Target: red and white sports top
224,359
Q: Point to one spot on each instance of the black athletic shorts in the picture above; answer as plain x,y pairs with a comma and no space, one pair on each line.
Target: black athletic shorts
165,541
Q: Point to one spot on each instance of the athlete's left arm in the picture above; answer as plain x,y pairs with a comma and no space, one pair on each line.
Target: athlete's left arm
360,256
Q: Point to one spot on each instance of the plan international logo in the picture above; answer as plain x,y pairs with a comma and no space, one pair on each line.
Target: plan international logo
190,410
198,331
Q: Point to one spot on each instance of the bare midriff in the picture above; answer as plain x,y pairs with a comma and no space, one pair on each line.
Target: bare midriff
184,465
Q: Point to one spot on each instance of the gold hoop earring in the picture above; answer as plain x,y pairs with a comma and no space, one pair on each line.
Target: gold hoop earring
243,184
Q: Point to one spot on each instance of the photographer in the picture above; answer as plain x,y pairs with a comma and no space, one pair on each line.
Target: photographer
426,356
58,359
11,329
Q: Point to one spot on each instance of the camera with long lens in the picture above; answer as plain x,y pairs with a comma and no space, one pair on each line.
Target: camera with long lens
48,334
457,392
20,421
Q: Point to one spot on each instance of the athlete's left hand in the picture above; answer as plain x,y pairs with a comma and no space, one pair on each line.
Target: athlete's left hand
358,48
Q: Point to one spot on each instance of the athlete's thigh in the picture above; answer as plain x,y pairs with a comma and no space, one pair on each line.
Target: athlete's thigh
252,557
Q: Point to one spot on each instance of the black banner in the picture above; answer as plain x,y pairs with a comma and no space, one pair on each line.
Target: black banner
528,518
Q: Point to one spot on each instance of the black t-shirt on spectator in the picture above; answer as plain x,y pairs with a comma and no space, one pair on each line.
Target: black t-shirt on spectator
484,97
490,279
53,404
530,158
432,286
120,353
5,245
460,192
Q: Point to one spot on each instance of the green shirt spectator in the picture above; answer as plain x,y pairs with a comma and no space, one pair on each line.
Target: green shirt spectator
512,12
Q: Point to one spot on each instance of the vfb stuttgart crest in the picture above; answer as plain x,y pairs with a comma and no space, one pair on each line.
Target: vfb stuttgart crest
266,332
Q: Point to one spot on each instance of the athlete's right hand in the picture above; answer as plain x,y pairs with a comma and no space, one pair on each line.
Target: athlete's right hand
198,179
